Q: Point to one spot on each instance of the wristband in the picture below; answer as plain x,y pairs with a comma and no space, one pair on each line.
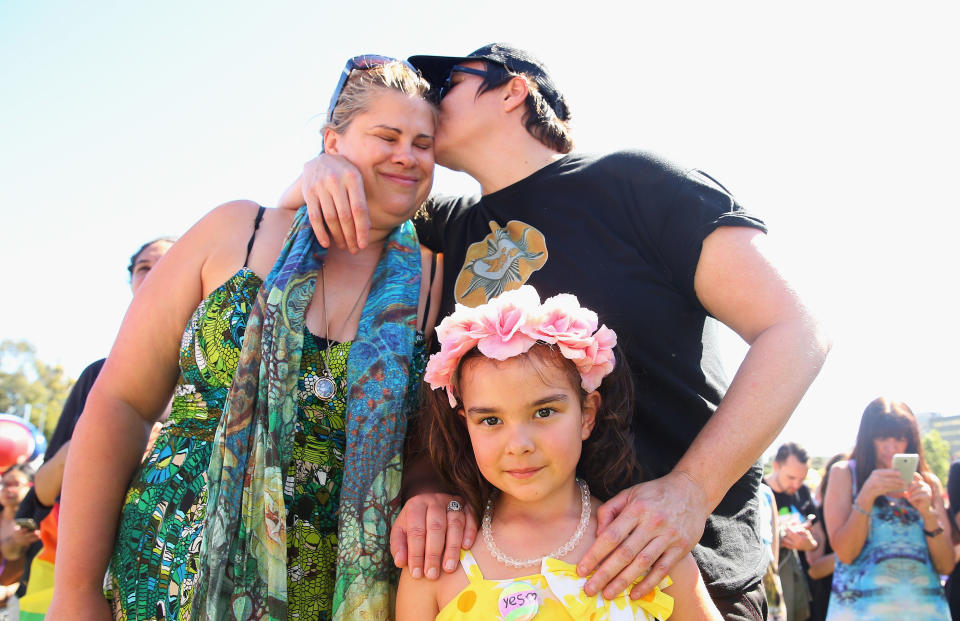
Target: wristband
933,533
857,508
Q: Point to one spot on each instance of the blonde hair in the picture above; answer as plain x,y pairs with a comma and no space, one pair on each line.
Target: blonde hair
364,84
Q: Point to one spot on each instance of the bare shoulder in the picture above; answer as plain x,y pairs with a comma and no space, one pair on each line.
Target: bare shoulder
690,597
417,599
685,574
841,468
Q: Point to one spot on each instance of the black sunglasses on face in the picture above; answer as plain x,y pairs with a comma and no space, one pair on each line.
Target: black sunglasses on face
448,84
365,61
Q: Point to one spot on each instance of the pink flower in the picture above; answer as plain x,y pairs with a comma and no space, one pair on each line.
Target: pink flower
511,323
504,319
598,360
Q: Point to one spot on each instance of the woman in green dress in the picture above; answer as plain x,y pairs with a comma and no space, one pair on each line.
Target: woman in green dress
271,490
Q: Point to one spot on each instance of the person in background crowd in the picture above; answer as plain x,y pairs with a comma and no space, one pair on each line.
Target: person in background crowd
16,482
770,535
820,561
43,497
889,535
953,583
795,505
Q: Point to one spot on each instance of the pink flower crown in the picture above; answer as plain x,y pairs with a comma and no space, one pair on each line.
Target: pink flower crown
511,323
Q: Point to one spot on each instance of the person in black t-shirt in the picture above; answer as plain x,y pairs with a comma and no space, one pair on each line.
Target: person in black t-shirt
796,509
661,253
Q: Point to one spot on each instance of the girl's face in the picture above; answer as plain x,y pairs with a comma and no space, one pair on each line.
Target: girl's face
391,144
886,448
526,424
15,487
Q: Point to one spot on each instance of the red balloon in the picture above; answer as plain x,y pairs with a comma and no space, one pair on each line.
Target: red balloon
16,443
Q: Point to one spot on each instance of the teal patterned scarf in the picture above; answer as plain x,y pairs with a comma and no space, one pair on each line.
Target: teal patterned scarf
243,559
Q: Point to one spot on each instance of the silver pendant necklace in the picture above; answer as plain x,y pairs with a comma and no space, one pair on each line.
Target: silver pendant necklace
325,386
486,528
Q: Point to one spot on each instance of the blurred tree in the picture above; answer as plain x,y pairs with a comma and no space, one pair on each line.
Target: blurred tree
30,387
936,451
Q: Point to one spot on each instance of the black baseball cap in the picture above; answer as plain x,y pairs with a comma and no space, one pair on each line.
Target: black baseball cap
436,69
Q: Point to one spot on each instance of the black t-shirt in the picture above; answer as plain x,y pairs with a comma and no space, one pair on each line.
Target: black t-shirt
799,502
622,232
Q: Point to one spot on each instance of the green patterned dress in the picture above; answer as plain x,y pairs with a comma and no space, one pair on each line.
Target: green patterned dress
155,561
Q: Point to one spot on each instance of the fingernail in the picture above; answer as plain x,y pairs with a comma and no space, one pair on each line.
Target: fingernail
416,573
450,565
432,573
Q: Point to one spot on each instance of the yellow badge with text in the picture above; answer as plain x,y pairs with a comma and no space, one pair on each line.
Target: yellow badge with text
502,261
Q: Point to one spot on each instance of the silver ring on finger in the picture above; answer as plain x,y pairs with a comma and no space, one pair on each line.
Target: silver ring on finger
454,505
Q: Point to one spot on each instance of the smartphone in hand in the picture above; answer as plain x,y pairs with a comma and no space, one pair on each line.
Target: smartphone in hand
906,465
26,523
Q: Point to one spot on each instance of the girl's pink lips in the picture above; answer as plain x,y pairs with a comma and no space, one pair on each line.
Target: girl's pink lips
524,473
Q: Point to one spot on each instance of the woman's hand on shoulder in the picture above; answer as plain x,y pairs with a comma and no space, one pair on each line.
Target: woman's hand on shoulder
691,601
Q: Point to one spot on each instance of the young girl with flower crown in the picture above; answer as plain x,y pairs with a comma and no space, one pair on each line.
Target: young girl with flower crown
535,436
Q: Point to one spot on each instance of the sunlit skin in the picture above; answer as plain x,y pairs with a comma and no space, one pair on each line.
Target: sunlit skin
886,448
391,144
147,258
789,475
526,425
461,114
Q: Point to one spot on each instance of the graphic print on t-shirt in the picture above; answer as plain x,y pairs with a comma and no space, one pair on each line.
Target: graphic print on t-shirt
501,261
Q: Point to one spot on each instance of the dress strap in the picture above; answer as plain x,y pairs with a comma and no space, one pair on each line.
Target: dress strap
470,566
430,276
852,464
256,225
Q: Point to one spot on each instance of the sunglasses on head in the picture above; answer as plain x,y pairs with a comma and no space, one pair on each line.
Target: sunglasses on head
365,61
444,88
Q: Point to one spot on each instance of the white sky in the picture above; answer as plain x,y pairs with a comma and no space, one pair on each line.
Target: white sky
835,122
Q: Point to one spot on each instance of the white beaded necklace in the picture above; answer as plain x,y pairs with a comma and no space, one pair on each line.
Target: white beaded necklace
486,528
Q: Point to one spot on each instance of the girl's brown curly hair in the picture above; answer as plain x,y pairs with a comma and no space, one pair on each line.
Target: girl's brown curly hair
608,462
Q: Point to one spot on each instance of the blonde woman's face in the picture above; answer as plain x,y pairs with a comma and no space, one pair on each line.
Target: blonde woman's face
391,144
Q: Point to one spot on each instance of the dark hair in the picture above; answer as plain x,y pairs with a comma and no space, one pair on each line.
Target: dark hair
608,462
25,468
136,255
791,448
539,118
885,419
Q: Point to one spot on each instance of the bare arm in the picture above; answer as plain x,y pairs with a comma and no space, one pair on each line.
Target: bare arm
926,497
416,599
49,478
821,563
129,395
332,189
651,525
691,601
848,527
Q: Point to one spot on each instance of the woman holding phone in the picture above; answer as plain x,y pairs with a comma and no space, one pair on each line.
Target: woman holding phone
887,529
